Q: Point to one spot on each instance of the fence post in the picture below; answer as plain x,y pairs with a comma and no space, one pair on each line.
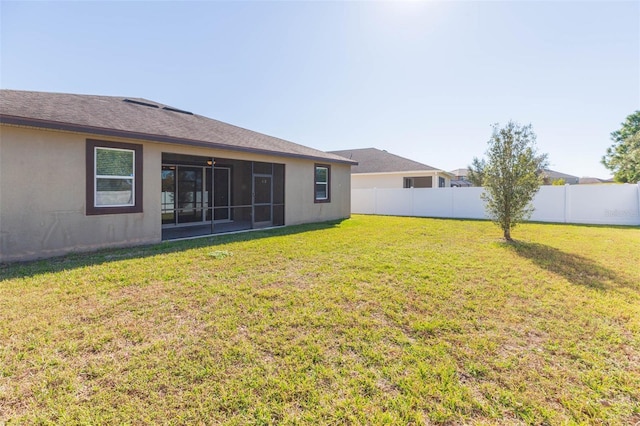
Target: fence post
413,201
453,206
566,202
638,192
375,200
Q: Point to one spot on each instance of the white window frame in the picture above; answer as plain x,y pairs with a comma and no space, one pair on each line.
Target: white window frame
96,176
327,197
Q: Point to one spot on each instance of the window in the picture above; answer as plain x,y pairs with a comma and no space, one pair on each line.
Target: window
322,183
418,182
114,177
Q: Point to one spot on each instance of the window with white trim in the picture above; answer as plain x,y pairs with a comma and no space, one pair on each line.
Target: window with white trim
322,179
114,177
418,182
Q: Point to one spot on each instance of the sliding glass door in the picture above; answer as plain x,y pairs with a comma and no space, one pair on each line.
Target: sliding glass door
184,199
190,195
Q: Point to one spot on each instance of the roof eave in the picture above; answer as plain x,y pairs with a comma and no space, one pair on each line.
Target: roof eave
435,171
102,131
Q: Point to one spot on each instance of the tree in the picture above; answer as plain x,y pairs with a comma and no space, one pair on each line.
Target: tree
623,157
510,174
476,171
558,182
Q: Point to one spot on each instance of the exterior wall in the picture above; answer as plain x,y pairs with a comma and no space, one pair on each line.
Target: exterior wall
299,183
391,180
43,191
299,194
42,198
360,181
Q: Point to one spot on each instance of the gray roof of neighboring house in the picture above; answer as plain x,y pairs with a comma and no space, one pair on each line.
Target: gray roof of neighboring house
558,175
143,120
372,160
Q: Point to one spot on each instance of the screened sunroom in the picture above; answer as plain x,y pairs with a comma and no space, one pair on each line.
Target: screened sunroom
210,195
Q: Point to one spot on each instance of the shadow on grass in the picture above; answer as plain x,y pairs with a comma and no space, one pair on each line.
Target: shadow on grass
84,259
532,222
576,269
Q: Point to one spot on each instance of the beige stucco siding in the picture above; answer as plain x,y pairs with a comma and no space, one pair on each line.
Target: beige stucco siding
392,180
43,190
299,195
42,199
299,183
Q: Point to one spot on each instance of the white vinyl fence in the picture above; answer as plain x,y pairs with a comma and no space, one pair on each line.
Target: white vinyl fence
592,204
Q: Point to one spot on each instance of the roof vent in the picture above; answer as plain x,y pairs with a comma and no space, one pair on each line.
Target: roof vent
131,101
177,110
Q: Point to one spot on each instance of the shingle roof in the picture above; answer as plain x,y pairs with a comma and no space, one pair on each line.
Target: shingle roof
372,160
141,119
558,175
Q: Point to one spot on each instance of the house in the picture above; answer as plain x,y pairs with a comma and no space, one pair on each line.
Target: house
460,174
381,169
460,178
551,176
83,172
593,180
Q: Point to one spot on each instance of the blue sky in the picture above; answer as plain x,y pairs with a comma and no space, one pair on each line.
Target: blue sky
425,80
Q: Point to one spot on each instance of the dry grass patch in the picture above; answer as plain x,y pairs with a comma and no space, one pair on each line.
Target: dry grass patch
373,320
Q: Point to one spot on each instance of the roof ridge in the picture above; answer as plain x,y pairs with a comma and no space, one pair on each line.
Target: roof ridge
379,153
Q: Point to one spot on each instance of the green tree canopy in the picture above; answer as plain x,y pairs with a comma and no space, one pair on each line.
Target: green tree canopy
476,171
623,157
510,174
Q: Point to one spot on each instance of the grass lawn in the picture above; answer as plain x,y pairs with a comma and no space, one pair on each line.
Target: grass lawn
373,320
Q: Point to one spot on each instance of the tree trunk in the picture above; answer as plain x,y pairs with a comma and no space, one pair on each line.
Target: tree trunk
507,235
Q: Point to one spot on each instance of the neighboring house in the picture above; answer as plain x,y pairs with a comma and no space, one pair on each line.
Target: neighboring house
593,180
381,169
551,176
82,172
460,178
